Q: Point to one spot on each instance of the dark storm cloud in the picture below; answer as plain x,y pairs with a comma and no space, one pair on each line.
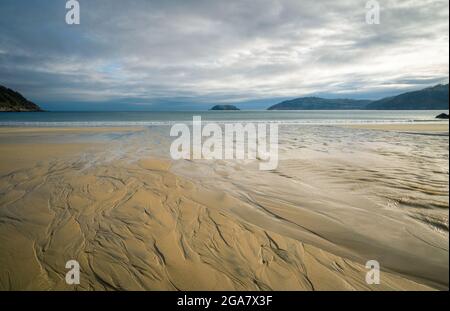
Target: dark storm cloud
173,52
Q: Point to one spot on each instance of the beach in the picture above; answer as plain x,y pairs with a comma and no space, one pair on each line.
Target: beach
223,151
437,127
134,219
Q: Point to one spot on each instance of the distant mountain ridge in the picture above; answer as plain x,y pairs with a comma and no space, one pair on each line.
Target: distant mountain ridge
431,98
317,103
435,97
11,101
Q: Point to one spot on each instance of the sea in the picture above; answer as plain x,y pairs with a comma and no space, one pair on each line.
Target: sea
313,117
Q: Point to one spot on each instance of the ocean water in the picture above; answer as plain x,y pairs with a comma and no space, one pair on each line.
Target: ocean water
166,118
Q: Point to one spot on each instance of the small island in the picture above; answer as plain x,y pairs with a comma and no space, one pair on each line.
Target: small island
11,101
224,107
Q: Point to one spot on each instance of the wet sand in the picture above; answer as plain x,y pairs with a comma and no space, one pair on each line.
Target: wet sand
59,130
138,223
418,127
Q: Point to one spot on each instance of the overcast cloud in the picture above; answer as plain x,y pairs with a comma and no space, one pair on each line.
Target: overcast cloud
175,53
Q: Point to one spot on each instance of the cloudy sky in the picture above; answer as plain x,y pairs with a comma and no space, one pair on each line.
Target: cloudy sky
182,54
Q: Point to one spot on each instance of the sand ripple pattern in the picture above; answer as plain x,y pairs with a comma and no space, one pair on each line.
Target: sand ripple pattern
135,222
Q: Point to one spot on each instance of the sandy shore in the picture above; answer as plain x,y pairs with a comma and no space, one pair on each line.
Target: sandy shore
409,127
63,130
136,225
